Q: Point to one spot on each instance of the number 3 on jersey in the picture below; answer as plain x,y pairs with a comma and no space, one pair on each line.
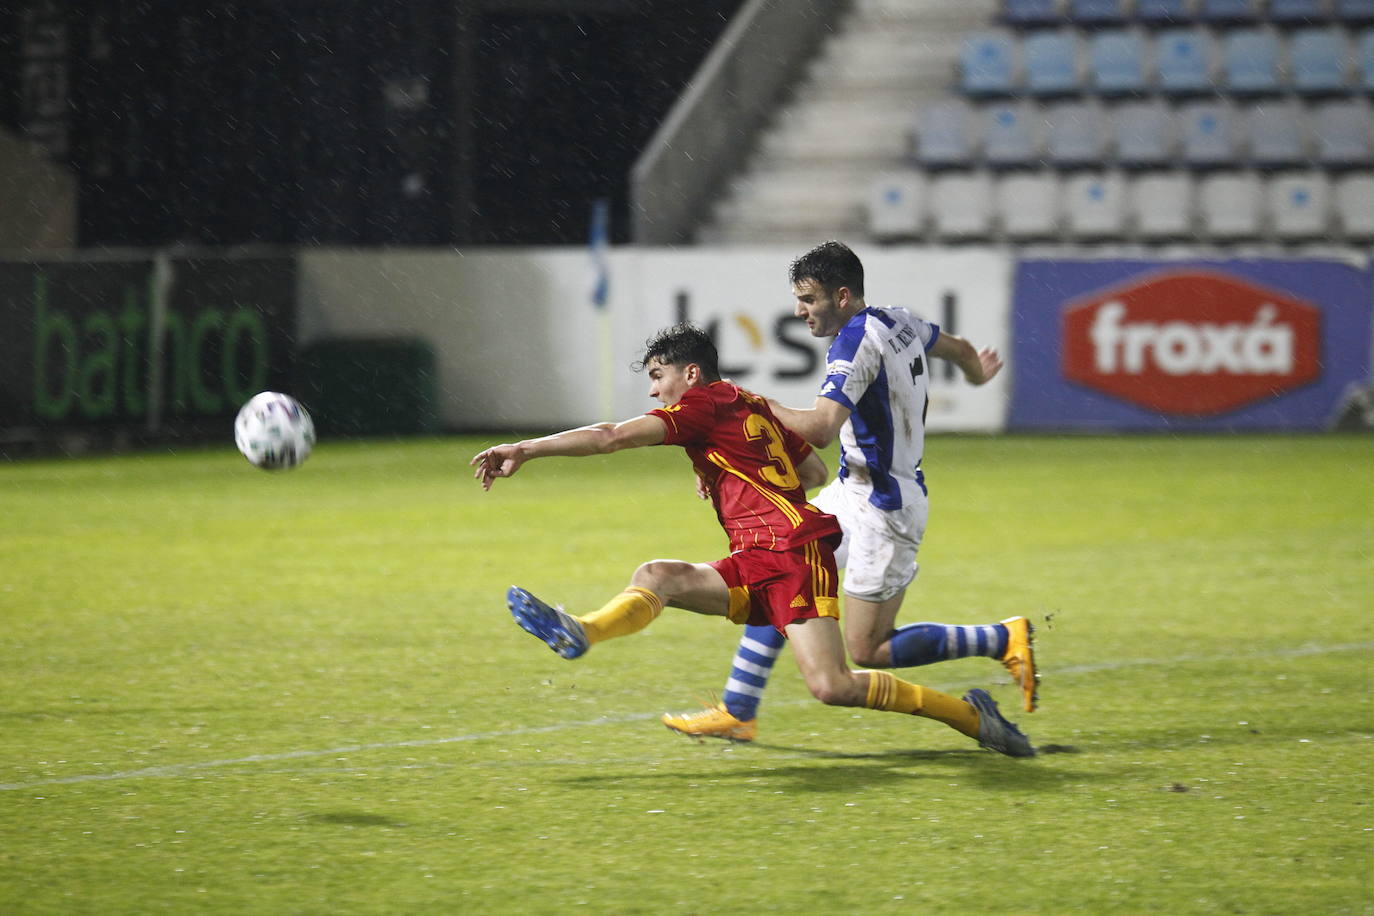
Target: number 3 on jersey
784,475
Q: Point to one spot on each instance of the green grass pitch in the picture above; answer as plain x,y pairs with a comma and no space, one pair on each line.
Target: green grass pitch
228,691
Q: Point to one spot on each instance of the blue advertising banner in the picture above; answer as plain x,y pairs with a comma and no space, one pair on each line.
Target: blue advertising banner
1208,345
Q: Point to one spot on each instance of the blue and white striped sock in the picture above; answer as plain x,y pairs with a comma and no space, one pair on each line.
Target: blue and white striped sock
923,643
754,657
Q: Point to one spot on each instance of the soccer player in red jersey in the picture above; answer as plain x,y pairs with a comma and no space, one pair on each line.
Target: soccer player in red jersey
781,568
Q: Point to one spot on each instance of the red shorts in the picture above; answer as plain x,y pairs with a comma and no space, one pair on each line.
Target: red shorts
779,587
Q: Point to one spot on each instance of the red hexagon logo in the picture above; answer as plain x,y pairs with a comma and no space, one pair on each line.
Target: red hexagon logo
1191,342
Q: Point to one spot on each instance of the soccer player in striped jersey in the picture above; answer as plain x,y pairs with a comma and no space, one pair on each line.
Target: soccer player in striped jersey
874,398
781,569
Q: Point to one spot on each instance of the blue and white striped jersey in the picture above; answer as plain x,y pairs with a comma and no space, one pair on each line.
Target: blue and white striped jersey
877,367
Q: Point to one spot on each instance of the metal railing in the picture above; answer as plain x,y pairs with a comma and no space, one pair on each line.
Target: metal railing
711,128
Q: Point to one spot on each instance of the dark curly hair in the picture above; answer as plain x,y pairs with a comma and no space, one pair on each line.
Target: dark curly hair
681,345
830,265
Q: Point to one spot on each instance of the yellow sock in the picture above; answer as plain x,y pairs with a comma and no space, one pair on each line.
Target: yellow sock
889,692
629,612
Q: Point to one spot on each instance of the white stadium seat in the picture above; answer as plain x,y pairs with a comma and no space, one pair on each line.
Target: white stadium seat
897,205
1229,206
1299,205
1162,204
1028,205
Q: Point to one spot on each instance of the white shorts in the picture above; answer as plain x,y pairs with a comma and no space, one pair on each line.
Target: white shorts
878,553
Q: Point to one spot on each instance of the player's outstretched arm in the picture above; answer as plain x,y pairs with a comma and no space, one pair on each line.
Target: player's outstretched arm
818,425
979,366
599,439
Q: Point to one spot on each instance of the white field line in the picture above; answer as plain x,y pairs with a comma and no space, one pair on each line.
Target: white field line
178,769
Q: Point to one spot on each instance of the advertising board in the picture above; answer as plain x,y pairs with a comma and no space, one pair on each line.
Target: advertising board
1224,344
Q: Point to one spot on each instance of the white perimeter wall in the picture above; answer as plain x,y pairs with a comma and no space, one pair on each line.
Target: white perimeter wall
520,346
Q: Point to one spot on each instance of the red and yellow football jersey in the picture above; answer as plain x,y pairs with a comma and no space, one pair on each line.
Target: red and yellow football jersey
749,460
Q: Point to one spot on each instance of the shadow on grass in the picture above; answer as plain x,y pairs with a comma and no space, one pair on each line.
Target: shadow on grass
842,771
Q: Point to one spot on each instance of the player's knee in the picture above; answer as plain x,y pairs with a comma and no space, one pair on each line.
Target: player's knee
835,691
661,576
867,655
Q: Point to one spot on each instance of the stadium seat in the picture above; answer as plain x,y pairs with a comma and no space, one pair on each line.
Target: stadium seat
1116,62
1298,12
1163,205
1277,134
1364,61
1250,62
1354,200
1317,61
1229,206
1144,134
1342,133
961,205
987,63
1095,206
1097,12
1228,10
1183,61
1158,13
1031,12
897,205
1051,63
1075,134
1354,10
1011,134
944,134
1299,206
1028,205
1207,134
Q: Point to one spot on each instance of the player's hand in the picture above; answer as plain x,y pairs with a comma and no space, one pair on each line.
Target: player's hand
498,461
703,488
990,363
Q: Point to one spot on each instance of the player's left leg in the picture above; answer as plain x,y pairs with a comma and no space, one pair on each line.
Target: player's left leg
819,651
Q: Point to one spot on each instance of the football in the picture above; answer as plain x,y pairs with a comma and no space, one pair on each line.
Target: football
274,431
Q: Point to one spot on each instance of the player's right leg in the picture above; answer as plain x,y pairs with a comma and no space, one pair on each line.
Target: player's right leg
693,586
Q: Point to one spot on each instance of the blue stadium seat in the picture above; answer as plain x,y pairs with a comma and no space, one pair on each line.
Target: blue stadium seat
1317,60
1298,12
1075,134
1229,10
1276,134
1011,135
1183,61
1207,134
1116,62
1364,61
1144,133
1051,63
1250,62
1031,12
1163,12
1354,10
987,63
945,134
1343,132
1097,12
